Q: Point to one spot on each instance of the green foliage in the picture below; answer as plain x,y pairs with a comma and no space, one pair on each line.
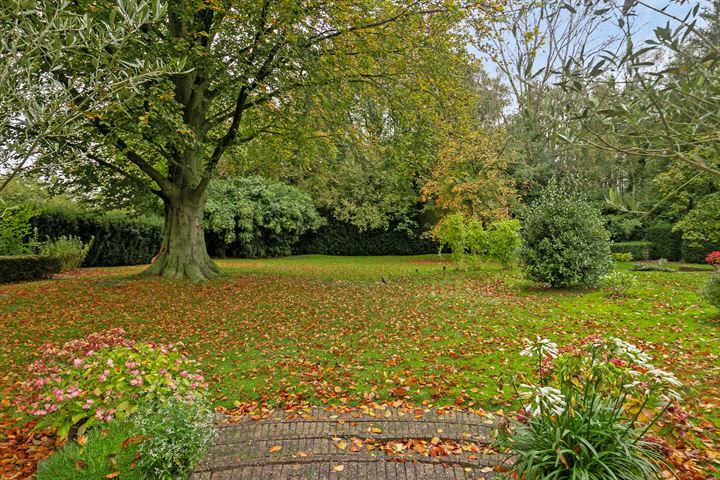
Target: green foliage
256,217
452,232
504,241
176,435
564,242
622,256
619,283
342,238
160,441
116,239
712,290
588,411
102,377
652,267
102,455
640,250
15,228
69,250
666,242
701,229
622,227
27,267
478,240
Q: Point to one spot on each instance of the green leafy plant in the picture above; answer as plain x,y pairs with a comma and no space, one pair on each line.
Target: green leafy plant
564,242
504,241
619,283
712,290
98,455
15,228
69,250
451,232
104,376
176,435
640,250
652,267
256,217
588,412
622,256
163,440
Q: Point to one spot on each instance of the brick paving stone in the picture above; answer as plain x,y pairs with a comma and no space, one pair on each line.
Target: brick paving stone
242,450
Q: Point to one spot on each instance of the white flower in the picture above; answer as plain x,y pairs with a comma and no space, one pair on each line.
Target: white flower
633,353
542,348
543,398
661,376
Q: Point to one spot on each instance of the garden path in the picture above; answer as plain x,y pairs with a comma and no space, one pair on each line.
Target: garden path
382,444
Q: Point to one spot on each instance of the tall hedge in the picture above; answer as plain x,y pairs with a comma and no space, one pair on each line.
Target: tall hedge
340,238
118,240
666,243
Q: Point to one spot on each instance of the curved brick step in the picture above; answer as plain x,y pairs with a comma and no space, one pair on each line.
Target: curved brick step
304,445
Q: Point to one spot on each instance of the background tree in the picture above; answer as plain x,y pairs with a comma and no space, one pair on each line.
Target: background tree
247,68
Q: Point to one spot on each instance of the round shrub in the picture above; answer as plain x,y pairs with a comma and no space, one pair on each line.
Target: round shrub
104,376
712,290
564,241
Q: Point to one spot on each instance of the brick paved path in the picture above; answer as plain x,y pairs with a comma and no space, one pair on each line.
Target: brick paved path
287,447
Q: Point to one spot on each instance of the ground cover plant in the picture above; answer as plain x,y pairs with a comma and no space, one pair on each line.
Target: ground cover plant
316,329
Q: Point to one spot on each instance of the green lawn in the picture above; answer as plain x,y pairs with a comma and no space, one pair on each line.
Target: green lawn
327,329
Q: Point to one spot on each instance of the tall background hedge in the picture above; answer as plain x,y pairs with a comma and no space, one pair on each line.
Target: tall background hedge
118,240
340,238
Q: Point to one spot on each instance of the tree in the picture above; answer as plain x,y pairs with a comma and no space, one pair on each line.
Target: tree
246,66
37,113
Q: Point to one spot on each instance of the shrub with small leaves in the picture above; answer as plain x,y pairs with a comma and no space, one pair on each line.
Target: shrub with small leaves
564,241
69,250
712,290
619,283
176,435
622,256
504,241
104,376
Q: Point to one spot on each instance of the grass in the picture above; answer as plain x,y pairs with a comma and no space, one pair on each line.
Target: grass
328,330
102,455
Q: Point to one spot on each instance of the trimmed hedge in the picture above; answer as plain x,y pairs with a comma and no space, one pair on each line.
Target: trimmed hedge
640,250
340,238
118,240
27,267
665,243
694,253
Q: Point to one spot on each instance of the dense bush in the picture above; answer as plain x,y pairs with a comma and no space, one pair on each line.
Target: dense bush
15,228
504,241
176,434
69,250
116,239
459,236
665,241
160,441
28,267
619,283
639,250
623,227
713,258
701,229
564,242
341,238
587,413
712,290
256,217
622,257
103,376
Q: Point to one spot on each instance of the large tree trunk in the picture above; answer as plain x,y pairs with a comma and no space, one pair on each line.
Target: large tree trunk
183,254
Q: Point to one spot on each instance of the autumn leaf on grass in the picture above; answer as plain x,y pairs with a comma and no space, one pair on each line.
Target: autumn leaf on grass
275,448
132,440
113,474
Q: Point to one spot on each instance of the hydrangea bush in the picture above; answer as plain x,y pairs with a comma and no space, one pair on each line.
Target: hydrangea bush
104,376
588,410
